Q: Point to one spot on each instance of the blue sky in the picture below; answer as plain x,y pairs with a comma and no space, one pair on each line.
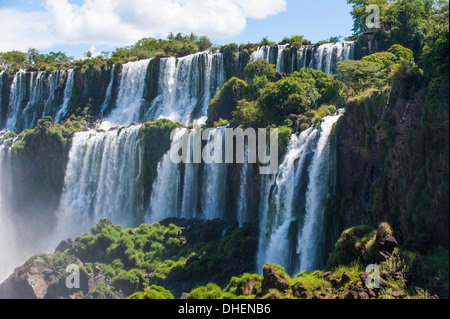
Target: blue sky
76,26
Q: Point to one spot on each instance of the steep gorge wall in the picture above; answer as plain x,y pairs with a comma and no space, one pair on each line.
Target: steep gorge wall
384,166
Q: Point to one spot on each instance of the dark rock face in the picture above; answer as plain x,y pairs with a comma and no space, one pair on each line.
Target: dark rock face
380,150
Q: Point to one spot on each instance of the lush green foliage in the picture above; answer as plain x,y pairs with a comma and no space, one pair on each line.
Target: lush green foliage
225,102
378,69
271,103
175,45
259,68
15,59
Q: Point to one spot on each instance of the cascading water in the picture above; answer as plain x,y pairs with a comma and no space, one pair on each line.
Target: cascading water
326,56
67,96
9,250
108,95
1,97
242,204
38,93
17,95
262,53
103,172
100,180
214,181
53,85
293,217
175,195
165,198
130,96
311,240
280,58
186,86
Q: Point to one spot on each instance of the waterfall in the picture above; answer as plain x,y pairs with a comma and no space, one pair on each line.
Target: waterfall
108,95
130,96
275,55
189,203
262,53
280,58
1,97
326,56
67,96
36,96
53,85
100,181
242,204
17,95
177,195
186,86
311,240
10,253
214,181
33,95
293,217
165,198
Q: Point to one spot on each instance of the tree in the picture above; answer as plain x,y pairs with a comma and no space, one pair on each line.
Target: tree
33,56
259,68
13,59
362,75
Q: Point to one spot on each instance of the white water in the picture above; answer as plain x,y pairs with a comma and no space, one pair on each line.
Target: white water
311,239
17,95
53,85
67,96
130,96
290,211
243,199
176,196
108,95
37,91
100,181
1,96
186,86
165,198
262,53
9,252
280,58
214,182
326,56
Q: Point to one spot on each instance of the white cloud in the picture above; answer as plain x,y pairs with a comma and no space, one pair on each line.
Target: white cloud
121,22
22,30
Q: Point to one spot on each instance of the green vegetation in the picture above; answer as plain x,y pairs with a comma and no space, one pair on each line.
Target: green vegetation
175,45
259,68
146,261
154,292
269,103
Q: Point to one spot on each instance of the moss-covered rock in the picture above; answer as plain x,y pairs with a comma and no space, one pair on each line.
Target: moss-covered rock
225,102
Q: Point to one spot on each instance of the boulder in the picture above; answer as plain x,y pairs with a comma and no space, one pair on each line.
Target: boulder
29,281
299,291
357,292
249,288
64,245
274,279
345,279
398,294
